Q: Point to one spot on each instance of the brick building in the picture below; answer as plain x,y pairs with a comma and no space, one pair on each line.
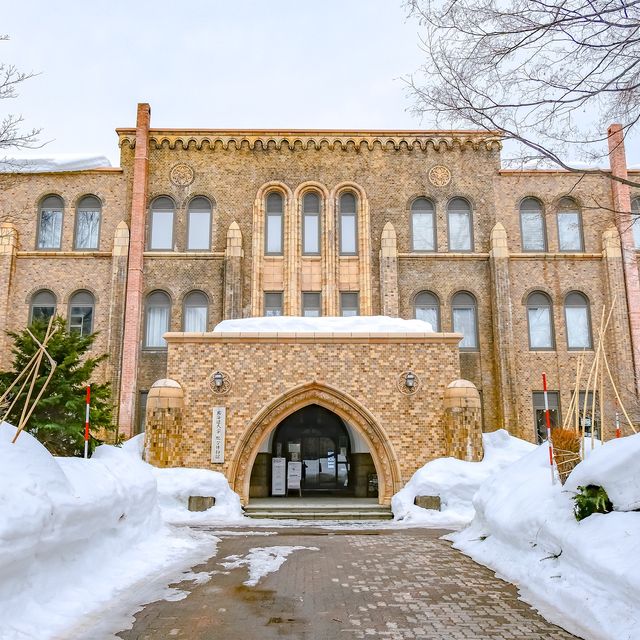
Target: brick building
197,226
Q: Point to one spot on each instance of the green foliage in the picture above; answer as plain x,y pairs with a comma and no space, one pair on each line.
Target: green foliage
591,499
58,419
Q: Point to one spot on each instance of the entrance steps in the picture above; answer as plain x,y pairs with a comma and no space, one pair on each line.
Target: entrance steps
317,509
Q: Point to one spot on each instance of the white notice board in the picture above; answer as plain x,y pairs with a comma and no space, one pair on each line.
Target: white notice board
294,475
278,476
218,428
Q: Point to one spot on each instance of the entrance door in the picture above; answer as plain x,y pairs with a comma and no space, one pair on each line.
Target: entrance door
318,438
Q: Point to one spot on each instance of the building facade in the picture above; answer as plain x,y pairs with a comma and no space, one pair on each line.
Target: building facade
197,226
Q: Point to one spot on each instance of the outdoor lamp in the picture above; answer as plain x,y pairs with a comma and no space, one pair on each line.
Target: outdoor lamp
218,379
410,380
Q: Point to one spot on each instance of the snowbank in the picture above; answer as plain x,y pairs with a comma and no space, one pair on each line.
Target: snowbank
584,576
355,324
75,533
456,482
53,163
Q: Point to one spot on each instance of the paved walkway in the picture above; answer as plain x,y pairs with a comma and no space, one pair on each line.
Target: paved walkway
391,584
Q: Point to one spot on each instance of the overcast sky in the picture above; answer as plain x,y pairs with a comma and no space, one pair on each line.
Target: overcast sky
209,64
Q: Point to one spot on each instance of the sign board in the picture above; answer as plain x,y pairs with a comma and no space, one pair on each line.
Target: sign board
294,475
278,476
218,429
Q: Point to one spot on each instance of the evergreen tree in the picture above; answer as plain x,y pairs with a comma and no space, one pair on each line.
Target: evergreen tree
58,419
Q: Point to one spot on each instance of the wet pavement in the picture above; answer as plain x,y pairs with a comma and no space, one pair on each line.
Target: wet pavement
361,583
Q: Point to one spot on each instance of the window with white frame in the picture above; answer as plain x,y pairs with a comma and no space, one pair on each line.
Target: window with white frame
532,227
43,306
196,312
81,312
578,321
199,224
50,223
157,314
465,319
426,306
348,224
540,321
460,225
88,215
311,223
569,226
311,307
274,224
423,225
162,212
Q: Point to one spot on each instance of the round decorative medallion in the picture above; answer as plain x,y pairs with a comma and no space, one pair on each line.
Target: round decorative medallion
219,382
182,175
439,176
408,383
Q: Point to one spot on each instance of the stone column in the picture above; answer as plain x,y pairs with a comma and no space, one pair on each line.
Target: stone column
502,314
163,430
389,272
364,257
622,206
8,249
133,307
116,304
463,421
233,273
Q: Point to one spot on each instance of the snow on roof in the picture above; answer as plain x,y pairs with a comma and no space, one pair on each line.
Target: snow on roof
53,163
355,324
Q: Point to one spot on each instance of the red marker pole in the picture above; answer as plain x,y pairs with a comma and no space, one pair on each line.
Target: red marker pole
548,420
86,423
617,425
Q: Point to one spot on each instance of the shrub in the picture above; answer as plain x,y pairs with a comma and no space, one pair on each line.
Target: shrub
591,499
566,448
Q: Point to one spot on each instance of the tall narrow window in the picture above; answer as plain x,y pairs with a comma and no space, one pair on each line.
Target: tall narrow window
635,221
88,223
539,412
43,306
81,308
311,304
569,226
274,224
349,304
576,315
158,309
50,223
199,225
465,319
311,224
195,313
348,224
273,304
427,307
532,228
460,225
423,226
540,319
162,224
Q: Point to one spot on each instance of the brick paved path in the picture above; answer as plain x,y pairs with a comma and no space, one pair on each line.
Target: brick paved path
391,584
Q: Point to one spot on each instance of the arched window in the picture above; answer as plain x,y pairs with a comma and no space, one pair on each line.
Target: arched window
50,223
274,224
540,319
569,226
88,223
161,223
43,305
465,319
311,223
348,224
635,219
460,225
157,313
81,308
426,306
578,321
199,224
196,311
423,225
534,237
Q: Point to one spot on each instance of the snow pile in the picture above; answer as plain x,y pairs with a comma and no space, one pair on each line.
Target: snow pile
53,163
327,324
456,482
74,534
584,576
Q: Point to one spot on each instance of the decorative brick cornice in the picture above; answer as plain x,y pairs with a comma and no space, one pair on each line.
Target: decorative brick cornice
278,139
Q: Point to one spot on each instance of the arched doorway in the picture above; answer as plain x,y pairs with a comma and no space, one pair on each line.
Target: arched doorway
318,438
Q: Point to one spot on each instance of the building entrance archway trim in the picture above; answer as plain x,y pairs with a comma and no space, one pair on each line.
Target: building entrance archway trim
349,409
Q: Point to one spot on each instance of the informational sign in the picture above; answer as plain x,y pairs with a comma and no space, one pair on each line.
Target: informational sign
294,475
218,429
278,476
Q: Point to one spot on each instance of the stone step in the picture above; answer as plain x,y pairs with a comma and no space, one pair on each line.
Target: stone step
307,514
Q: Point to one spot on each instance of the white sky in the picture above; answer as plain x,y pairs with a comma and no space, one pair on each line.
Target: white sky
210,64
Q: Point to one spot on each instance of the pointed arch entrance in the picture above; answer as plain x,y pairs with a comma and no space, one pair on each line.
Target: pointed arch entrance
344,406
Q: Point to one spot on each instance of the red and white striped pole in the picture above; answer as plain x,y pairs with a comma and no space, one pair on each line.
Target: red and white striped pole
86,423
548,420
617,424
